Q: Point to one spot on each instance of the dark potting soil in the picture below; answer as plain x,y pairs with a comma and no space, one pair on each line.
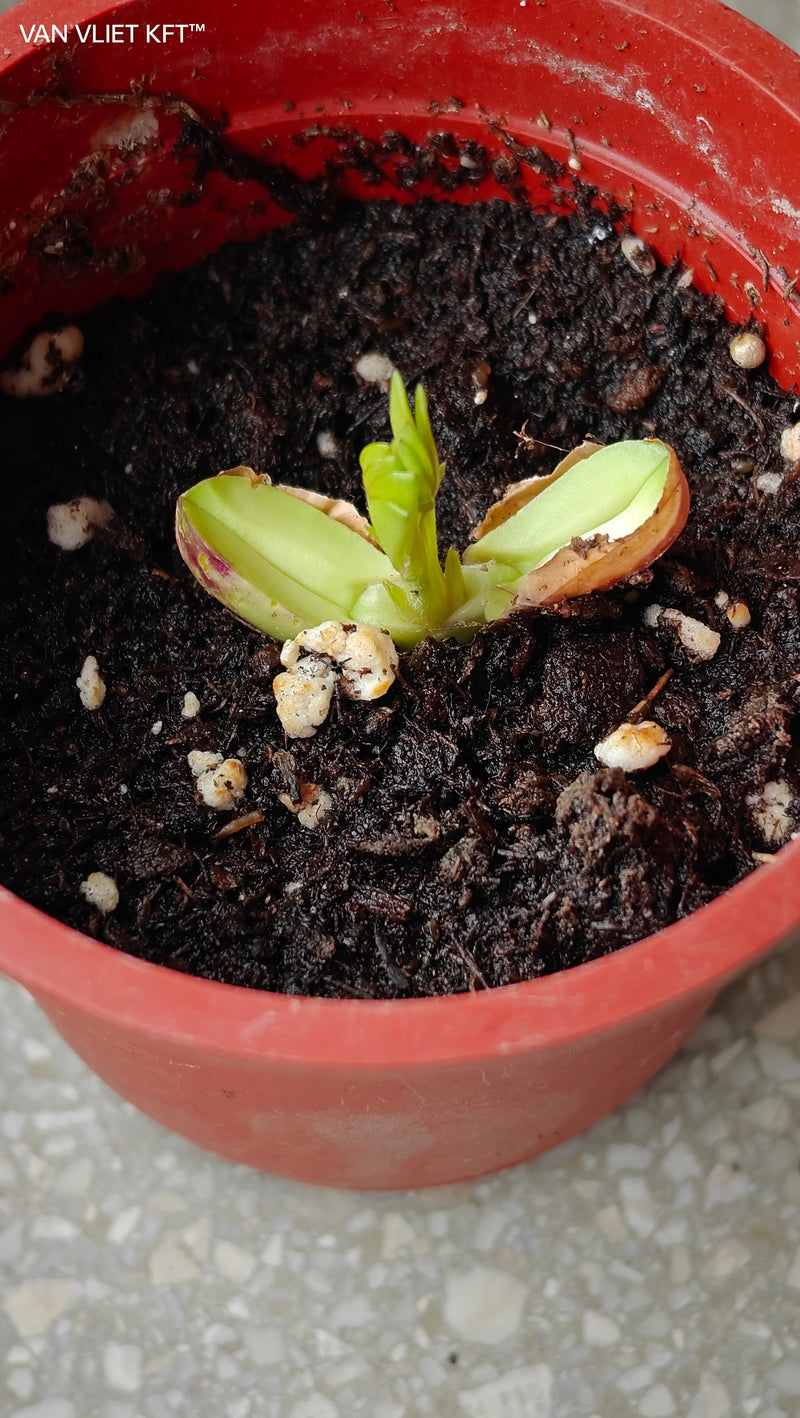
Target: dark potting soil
473,838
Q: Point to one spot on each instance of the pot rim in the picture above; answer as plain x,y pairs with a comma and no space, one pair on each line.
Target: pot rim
695,956
710,24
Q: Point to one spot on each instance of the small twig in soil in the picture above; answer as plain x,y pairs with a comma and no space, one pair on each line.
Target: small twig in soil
346,989
519,309
162,669
743,404
238,824
476,974
693,782
396,974
639,710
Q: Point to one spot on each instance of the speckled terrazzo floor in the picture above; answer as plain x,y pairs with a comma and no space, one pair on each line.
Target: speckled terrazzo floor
650,1268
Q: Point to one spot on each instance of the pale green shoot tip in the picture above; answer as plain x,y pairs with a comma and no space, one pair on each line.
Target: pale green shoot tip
284,560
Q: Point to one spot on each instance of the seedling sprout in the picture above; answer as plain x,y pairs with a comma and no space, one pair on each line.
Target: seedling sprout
285,560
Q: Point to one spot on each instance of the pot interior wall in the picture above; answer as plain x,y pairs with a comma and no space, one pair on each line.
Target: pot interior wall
104,175
675,109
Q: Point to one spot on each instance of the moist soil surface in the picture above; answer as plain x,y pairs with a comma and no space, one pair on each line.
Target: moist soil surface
473,837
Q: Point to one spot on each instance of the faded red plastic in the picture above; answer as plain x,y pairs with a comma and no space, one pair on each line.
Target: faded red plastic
684,112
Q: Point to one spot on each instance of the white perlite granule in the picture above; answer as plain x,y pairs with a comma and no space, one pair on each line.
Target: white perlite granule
374,368
633,747
698,639
91,684
46,366
327,447
638,255
191,705
365,657
790,444
221,788
70,525
220,782
101,892
303,697
769,810
200,761
769,483
748,350
315,805
738,613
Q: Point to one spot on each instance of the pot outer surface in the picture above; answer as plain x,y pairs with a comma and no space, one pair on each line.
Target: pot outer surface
352,1093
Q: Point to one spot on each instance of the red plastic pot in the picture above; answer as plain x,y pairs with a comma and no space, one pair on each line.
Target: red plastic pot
681,110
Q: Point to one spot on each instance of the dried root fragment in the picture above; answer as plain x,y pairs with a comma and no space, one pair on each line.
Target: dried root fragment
634,747
239,824
70,525
365,658
47,365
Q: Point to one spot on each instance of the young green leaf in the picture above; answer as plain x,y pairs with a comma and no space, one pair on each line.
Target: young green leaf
401,480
